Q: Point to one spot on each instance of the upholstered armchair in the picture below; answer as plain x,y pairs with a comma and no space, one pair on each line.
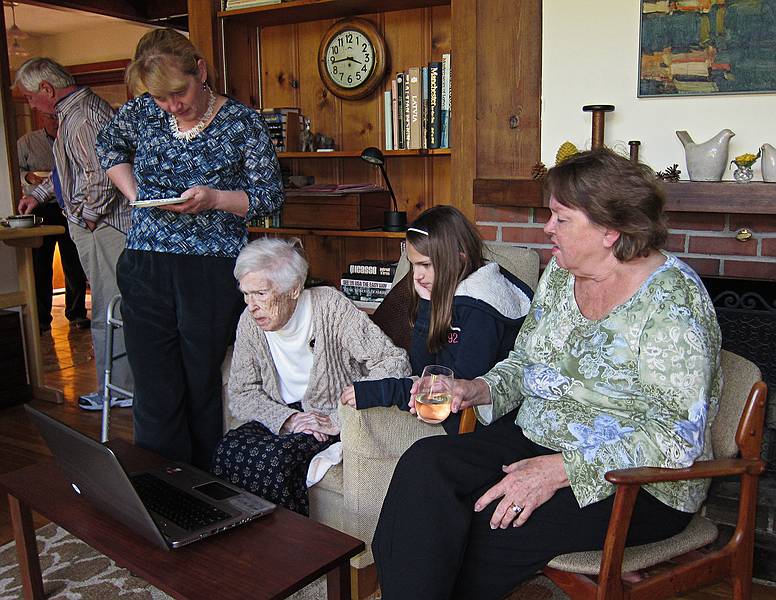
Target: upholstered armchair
350,496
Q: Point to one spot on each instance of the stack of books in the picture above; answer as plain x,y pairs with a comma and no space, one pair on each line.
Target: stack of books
237,4
367,282
418,108
284,125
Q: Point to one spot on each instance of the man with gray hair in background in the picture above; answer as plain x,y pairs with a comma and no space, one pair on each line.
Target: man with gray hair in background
98,214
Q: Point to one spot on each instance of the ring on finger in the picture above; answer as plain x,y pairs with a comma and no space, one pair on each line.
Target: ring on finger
515,508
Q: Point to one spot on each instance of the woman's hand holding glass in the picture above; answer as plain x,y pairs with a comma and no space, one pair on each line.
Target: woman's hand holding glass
464,393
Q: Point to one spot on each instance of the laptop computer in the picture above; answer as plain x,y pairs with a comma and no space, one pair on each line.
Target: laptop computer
172,505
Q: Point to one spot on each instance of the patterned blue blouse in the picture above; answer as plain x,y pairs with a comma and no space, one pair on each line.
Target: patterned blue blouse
234,152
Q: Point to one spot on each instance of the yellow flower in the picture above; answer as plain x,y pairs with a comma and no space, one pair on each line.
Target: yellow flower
746,160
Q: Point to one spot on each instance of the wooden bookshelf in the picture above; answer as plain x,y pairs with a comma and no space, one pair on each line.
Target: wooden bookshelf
367,233
357,153
301,11
267,56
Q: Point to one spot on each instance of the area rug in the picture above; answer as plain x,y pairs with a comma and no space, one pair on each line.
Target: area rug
73,570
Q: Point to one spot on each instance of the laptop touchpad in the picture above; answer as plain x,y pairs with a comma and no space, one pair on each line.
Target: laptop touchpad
215,490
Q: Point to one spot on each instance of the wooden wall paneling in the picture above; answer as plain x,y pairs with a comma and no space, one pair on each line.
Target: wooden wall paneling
203,31
315,101
440,192
326,257
279,66
407,34
441,41
241,59
358,248
507,89
360,120
463,132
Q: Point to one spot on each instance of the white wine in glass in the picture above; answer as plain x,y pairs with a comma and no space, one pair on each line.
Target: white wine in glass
434,394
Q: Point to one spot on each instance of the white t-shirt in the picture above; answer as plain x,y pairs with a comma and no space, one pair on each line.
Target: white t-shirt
291,351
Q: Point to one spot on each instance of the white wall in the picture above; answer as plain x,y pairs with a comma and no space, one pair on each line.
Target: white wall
590,55
111,41
9,282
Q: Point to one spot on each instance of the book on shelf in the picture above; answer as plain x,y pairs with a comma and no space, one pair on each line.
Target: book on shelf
395,114
434,104
284,125
388,120
369,266
406,101
423,107
413,75
445,109
236,4
334,188
367,282
400,109
420,107
369,305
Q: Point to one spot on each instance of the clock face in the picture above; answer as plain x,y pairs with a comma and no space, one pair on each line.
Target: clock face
350,59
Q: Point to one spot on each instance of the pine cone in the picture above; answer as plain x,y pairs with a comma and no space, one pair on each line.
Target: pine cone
566,150
671,173
538,170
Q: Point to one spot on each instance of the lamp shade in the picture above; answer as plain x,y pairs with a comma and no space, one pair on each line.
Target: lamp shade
373,155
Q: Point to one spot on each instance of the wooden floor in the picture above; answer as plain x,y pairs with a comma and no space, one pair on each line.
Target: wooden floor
69,365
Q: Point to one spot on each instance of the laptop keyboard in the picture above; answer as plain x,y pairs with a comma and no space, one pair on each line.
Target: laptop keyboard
172,503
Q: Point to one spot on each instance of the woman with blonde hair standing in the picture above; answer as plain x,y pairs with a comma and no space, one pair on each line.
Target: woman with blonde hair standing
214,158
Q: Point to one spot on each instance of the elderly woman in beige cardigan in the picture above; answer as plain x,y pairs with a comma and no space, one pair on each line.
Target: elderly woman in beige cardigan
296,350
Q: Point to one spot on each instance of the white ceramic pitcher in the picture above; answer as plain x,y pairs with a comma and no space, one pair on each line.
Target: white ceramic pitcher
707,160
768,162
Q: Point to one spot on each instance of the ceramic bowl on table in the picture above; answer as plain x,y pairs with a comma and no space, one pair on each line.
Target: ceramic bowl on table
22,221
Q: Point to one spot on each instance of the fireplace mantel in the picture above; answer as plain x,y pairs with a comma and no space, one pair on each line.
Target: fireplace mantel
683,196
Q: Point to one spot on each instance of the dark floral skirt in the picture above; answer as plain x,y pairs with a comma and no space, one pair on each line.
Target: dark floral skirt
268,465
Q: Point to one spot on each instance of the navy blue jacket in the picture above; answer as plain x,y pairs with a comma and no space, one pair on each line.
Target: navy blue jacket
488,309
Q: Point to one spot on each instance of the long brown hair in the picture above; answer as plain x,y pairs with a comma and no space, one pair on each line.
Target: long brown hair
455,248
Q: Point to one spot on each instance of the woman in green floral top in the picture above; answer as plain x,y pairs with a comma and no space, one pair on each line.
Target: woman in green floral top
616,366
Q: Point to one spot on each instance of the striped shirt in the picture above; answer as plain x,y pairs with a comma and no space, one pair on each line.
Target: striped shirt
87,192
234,152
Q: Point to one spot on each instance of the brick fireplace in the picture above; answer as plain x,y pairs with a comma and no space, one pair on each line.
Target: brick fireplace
727,233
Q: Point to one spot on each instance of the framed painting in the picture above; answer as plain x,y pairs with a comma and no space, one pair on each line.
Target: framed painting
707,47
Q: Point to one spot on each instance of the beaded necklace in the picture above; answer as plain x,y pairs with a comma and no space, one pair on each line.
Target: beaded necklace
190,134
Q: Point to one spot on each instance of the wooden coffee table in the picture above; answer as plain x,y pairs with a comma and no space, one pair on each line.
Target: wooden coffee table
271,557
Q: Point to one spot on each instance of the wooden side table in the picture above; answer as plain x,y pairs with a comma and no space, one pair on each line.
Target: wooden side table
24,240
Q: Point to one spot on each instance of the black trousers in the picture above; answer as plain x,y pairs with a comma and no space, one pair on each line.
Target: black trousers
180,314
42,264
430,544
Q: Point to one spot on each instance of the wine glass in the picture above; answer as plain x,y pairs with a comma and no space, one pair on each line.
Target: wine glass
434,394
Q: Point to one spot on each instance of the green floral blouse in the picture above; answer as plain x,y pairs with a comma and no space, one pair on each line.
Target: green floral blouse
639,387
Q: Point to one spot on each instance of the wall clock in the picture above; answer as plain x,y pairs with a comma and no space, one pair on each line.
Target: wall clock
352,58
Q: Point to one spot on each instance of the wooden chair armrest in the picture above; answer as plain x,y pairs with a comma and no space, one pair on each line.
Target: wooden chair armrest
702,469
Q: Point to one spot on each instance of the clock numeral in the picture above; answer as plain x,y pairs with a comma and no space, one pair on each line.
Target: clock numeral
349,38
364,69
331,58
350,79
340,41
334,69
366,58
335,49
358,75
342,75
364,48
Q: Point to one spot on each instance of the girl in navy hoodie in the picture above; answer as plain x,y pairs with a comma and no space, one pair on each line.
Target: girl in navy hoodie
465,312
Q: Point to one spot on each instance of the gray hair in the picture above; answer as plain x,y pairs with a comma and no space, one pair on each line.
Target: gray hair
37,69
282,262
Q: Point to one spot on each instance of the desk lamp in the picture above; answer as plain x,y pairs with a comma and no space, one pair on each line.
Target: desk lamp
393,220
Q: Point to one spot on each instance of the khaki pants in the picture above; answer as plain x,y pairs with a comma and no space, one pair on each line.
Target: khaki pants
99,250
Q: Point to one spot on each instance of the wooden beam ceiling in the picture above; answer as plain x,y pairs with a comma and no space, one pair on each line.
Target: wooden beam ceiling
167,13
